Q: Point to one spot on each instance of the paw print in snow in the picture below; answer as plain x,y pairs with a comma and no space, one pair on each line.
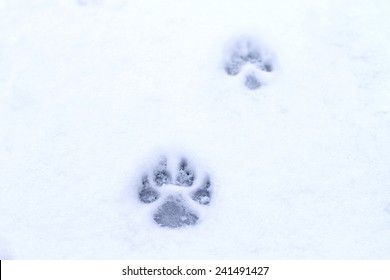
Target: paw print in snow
247,57
177,193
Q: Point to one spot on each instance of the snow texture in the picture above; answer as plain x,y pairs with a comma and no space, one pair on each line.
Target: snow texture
284,105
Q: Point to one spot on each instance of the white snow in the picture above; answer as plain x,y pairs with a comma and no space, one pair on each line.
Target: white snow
91,91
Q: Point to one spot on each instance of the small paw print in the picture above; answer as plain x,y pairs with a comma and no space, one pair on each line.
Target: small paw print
177,193
253,61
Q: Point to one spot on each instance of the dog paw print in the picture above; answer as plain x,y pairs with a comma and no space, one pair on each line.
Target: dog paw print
177,193
246,58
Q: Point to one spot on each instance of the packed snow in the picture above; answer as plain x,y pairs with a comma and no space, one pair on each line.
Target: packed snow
94,92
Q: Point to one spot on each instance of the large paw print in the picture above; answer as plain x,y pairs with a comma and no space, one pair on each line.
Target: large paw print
177,193
249,58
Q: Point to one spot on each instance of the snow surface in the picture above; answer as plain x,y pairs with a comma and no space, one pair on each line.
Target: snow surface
92,91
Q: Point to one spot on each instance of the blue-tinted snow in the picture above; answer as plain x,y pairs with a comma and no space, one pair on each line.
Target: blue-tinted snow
91,91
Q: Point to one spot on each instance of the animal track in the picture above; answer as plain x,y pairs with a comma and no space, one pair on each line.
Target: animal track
247,56
177,193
